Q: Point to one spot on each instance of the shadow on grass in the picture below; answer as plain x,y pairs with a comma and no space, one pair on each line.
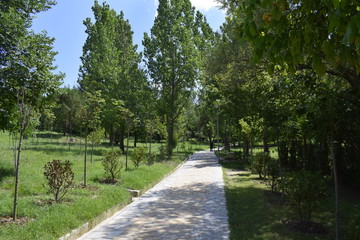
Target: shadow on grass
5,172
49,135
254,213
74,150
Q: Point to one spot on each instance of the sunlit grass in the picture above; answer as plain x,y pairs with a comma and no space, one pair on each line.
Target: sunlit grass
51,221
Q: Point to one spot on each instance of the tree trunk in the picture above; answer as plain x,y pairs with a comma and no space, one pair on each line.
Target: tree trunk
281,172
121,139
14,149
333,155
85,155
265,140
17,176
170,142
92,147
112,135
135,139
211,143
127,150
246,148
266,148
150,143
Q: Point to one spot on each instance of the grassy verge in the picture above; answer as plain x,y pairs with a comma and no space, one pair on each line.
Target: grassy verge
255,213
50,220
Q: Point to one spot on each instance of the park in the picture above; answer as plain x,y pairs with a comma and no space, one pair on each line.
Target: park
269,104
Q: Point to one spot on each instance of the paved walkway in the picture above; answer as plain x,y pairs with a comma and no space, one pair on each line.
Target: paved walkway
189,204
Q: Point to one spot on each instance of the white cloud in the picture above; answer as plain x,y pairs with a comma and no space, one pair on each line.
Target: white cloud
204,5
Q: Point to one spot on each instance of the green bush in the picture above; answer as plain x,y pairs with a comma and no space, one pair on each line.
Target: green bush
150,157
138,156
112,163
304,190
354,228
59,178
259,163
162,153
273,172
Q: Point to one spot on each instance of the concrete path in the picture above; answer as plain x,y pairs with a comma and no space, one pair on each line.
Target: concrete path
189,204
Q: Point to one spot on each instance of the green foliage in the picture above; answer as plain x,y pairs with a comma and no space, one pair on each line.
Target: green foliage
173,54
255,213
305,191
319,35
60,178
162,155
273,172
112,163
138,156
259,163
150,158
97,135
354,228
110,66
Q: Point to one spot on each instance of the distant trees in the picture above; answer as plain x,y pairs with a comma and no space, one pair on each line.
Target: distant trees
172,53
67,111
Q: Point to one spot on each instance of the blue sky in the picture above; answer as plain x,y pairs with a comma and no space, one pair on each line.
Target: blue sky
64,22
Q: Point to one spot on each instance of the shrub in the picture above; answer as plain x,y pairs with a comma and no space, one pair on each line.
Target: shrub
259,163
138,156
112,164
162,153
304,190
59,178
272,170
354,228
150,157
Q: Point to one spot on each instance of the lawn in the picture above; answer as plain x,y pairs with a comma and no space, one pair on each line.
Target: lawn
256,213
48,220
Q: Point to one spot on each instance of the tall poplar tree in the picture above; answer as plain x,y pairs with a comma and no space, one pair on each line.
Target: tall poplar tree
110,63
173,57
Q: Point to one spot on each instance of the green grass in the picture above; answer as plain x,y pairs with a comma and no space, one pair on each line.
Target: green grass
256,214
51,221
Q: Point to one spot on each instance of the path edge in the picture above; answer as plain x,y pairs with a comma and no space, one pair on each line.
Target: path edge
78,232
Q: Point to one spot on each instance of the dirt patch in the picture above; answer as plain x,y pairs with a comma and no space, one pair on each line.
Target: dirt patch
89,187
45,202
306,227
48,202
9,220
108,181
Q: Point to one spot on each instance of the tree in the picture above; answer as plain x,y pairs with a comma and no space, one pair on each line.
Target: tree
172,53
112,164
67,111
110,64
15,18
91,111
319,35
59,178
28,76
